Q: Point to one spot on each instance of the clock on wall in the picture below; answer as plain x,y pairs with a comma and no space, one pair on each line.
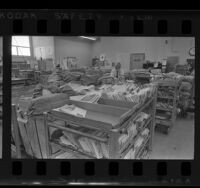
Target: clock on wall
192,51
102,57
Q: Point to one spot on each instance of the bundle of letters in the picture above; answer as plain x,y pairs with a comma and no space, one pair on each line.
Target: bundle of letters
68,155
72,110
87,145
80,88
134,128
141,119
144,155
140,140
129,92
91,98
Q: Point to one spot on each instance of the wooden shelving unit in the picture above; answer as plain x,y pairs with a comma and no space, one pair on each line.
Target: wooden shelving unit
112,134
167,94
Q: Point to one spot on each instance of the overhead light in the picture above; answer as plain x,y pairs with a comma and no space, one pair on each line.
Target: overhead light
90,38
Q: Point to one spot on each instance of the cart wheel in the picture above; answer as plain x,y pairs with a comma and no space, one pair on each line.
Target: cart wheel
167,130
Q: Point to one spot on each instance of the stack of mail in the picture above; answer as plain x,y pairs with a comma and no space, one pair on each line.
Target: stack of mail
130,154
92,97
73,110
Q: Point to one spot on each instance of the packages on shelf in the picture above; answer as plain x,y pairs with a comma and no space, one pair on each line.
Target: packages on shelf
165,93
132,133
93,147
164,105
141,119
133,128
145,132
139,142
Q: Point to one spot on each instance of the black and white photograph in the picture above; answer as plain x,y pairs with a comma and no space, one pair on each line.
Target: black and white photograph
94,97
1,98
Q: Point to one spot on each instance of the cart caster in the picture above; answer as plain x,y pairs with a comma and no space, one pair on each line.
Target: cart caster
166,131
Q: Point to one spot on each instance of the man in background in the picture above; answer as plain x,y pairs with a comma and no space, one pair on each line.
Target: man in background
117,72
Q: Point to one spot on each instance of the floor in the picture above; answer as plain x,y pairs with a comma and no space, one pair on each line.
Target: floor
178,144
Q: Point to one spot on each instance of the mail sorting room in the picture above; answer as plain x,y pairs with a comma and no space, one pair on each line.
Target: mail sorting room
88,97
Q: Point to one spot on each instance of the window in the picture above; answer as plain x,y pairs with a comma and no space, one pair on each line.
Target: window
21,46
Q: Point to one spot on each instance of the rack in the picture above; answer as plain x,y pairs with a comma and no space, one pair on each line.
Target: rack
111,133
166,105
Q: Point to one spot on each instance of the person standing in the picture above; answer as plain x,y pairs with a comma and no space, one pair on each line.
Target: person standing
117,72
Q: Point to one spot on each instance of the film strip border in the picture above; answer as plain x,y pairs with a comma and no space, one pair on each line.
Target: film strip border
79,171
90,22
116,23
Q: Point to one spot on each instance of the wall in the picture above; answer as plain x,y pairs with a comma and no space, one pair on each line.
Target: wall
155,48
176,46
115,48
73,47
44,42
61,47
35,42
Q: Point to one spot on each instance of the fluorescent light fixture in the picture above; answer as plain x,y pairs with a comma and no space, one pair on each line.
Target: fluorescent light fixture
90,38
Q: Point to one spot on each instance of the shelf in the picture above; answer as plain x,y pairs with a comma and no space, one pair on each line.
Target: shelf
164,109
163,122
167,119
125,146
169,98
142,147
77,132
70,149
137,113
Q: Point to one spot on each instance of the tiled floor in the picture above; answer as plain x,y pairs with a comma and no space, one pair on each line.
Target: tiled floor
178,144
